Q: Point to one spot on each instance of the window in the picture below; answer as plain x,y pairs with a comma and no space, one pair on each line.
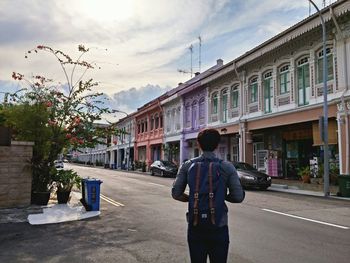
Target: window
138,128
161,120
284,79
146,122
156,124
188,115
142,126
329,56
303,76
253,90
178,118
234,96
201,110
268,91
214,103
194,114
224,105
168,121
152,123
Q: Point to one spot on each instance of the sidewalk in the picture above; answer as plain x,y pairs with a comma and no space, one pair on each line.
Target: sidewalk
298,187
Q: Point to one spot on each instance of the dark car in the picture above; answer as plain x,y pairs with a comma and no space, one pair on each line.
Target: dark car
252,178
163,168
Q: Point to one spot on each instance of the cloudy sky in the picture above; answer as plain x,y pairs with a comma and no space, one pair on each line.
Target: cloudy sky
139,44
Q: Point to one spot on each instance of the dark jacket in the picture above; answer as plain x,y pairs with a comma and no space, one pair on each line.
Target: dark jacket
235,194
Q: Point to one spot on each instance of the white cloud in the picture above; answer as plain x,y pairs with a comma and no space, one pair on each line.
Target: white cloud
146,41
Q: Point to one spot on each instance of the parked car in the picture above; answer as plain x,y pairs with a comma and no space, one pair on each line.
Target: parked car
59,164
163,168
251,177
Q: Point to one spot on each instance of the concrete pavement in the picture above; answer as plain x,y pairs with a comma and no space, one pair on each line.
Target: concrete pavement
17,215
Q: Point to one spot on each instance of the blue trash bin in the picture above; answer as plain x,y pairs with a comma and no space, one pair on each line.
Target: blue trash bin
91,194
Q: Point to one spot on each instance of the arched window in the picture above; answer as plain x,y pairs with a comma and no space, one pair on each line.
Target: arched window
284,79
188,115
194,115
268,91
234,96
329,56
202,110
173,124
214,103
224,100
303,76
178,119
253,90
168,121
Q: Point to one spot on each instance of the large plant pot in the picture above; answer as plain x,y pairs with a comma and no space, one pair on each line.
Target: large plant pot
40,198
63,197
5,136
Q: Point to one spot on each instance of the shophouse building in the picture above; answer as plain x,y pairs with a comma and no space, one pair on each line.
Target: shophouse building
149,132
173,125
267,103
194,104
120,153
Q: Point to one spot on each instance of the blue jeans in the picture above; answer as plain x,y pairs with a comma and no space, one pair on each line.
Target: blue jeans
208,242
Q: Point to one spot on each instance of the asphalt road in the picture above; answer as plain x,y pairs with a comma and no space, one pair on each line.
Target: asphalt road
140,222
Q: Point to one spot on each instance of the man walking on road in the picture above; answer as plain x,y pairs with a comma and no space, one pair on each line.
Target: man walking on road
208,178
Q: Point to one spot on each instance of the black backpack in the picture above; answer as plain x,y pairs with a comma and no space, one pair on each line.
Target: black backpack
206,204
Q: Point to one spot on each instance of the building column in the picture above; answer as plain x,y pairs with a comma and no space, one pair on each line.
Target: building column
343,117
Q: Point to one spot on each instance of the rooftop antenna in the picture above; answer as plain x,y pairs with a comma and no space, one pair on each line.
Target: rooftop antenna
309,9
200,47
186,71
191,50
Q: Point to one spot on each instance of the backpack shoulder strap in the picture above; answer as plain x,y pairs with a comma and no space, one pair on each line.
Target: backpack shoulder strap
211,193
196,193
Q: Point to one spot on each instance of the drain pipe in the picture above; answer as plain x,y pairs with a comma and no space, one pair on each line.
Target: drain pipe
347,133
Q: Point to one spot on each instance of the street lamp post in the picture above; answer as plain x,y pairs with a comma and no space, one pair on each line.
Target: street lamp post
325,106
129,133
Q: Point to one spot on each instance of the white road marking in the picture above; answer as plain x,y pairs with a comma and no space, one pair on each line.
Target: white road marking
111,201
157,184
306,219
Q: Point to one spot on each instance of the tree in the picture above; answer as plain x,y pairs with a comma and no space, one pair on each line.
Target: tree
55,116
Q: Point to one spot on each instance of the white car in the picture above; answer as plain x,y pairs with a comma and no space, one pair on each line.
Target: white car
58,164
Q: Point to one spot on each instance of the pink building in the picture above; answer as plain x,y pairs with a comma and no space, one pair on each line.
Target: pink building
149,132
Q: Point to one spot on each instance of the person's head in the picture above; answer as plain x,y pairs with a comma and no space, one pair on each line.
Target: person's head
208,139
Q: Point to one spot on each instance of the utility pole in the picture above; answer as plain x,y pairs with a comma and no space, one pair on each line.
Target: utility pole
200,50
191,50
325,106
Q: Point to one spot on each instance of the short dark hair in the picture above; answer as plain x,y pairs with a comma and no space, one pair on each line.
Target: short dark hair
208,139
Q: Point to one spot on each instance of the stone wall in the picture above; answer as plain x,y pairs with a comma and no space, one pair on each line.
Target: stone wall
15,174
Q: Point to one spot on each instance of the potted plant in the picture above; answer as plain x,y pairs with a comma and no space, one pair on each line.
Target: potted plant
65,180
333,174
143,166
41,184
304,174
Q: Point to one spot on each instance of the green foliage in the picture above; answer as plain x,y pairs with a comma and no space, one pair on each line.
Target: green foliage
66,179
304,171
55,116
